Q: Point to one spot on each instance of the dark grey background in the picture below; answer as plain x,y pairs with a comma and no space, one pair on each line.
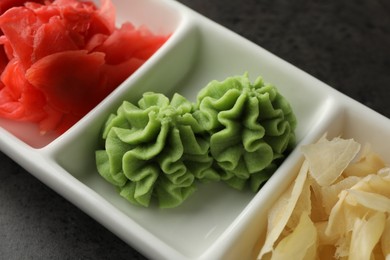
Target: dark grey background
346,44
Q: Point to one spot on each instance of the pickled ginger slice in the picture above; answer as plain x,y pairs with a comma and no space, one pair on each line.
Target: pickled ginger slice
376,183
330,193
282,210
368,163
328,159
302,206
385,239
365,235
301,244
368,200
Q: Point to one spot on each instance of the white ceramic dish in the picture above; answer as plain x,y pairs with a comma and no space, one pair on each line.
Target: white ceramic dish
199,50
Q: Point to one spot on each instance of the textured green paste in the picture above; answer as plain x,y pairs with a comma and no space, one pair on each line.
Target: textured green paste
236,131
251,127
156,149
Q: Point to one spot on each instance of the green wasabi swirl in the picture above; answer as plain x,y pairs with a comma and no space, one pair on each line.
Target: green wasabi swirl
236,131
155,150
251,127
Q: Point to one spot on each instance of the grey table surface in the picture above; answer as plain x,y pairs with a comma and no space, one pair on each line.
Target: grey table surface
346,44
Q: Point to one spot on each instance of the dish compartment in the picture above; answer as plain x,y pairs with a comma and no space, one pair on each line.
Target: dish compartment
206,227
161,19
351,120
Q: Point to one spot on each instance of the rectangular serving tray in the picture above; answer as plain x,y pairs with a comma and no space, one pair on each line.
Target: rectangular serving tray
217,222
